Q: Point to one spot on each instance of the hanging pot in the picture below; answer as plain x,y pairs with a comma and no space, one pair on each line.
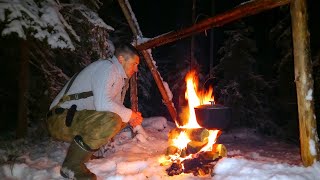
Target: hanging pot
213,116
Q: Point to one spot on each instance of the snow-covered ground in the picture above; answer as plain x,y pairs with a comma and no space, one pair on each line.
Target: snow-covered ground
250,156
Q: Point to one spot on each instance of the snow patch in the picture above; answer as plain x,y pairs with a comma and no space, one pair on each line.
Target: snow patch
158,122
131,167
237,168
309,95
312,147
94,18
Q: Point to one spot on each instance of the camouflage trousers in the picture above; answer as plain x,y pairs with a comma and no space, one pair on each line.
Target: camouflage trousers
95,127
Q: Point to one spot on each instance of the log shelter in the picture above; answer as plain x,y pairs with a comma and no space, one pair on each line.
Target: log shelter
302,61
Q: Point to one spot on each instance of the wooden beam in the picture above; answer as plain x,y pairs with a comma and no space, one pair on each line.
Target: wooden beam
304,83
243,10
125,6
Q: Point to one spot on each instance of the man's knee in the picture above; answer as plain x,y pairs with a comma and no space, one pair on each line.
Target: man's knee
103,127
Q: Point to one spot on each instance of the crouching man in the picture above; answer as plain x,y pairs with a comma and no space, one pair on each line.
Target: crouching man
89,109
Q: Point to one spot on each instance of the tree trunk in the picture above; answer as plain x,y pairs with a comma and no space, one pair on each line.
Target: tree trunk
243,10
22,124
304,83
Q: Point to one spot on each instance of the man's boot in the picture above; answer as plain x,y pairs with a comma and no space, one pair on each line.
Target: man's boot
73,166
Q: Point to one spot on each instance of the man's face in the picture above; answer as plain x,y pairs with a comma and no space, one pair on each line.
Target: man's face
129,64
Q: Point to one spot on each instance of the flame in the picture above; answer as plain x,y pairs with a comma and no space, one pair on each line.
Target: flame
195,98
181,141
213,134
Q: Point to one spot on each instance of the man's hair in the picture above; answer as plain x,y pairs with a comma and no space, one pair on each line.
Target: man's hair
125,49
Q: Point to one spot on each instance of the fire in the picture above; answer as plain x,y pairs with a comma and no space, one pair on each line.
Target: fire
195,98
180,138
181,141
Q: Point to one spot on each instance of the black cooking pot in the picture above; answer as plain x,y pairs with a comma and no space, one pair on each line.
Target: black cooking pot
213,116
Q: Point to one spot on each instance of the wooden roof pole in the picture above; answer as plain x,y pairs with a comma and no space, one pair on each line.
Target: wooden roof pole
304,83
125,6
243,10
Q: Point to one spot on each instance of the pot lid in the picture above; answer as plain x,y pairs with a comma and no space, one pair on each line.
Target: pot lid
211,106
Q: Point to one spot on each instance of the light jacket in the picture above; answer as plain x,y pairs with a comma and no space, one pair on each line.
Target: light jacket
106,79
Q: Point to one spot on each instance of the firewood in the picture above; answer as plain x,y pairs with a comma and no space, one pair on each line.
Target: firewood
171,150
218,151
195,146
198,134
183,153
194,134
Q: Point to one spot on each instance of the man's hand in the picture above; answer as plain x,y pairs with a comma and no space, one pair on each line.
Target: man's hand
135,119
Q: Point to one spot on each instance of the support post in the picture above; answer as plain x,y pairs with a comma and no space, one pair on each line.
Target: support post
304,83
125,6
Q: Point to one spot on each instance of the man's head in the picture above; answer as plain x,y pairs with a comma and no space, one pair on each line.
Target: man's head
128,57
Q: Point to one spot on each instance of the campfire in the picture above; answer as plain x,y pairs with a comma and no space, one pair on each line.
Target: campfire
192,148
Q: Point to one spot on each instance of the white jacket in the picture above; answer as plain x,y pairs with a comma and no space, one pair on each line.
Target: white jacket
105,78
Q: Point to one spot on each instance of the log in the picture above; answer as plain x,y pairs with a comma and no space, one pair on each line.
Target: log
126,9
171,150
218,151
199,134
304,83
194,134
194,147
134,93
243,10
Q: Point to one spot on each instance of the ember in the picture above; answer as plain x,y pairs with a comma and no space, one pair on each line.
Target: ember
197,166
192,148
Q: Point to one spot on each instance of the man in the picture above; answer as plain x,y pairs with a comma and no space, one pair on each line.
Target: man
89,109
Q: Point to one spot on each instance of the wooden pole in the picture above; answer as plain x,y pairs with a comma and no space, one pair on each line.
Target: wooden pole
304,83
244,10
134,93
125,6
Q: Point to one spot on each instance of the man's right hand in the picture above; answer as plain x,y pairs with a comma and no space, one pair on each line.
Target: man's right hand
135,119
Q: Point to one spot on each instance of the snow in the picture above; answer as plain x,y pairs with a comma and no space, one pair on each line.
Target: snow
43,21
309,95
312,146
232,168
94,18
250,156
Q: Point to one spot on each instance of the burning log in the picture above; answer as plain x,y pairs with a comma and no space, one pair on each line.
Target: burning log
194,147
199,166
194,134
199,134
196,166
174,169
218,151
171,150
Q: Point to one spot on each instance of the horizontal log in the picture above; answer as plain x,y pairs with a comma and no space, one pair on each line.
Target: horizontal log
194,134
244,10
218,151
171,150
194,147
